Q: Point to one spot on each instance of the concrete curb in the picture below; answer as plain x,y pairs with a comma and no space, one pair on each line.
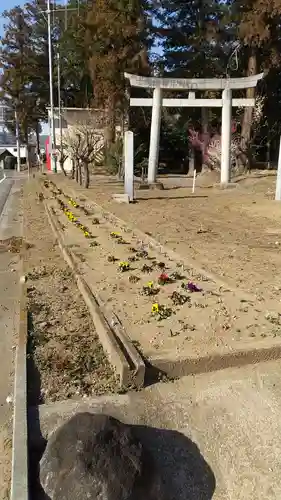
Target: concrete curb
121,353
19,479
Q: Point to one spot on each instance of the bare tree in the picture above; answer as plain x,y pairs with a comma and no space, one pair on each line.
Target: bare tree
82,144
63,155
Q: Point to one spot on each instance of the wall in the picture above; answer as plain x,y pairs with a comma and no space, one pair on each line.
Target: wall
71,118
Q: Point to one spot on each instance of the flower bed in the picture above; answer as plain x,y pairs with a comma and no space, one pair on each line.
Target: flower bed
162,305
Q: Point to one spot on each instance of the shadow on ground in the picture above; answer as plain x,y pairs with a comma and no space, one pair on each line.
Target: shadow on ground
184,197
36,446
184,471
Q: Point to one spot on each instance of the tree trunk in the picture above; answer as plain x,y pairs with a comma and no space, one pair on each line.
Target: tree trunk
86,175
247,122
121,170
62,166
27,154
109,132
37,131
205,133
80,173
77,172
73,169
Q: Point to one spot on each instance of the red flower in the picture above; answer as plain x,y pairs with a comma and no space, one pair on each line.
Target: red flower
163,278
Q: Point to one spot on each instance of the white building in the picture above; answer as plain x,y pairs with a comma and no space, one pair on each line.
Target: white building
8,144
71,118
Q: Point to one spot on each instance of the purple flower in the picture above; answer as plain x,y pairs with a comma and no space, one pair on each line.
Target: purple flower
191,287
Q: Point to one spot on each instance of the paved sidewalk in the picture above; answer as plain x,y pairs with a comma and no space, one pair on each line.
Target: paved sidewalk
10,225
215,436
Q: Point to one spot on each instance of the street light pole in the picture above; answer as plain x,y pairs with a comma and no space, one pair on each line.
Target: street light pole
53,136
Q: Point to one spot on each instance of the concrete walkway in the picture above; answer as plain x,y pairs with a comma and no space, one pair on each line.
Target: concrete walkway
215,436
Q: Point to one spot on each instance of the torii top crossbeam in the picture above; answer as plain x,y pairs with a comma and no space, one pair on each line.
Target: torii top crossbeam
194,83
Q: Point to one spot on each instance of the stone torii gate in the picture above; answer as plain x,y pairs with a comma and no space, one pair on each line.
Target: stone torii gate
226,85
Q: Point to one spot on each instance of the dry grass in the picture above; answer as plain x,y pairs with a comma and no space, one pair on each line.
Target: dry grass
66,358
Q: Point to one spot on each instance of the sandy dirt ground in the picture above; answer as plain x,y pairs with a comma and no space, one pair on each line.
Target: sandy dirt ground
211,321
66,359
234,233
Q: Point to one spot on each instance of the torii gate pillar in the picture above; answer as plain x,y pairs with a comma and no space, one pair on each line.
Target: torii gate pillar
154,135
226,136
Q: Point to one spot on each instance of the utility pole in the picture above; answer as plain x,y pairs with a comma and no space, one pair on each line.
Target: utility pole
52,120
59,102
17,140
65,14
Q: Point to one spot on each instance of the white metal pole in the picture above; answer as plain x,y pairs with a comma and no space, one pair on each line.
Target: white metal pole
59,103
17,140
52,124
194,181
154,135
226,136
278,179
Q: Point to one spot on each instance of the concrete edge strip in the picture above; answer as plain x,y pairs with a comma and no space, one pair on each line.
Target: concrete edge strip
127,347
19,478
4,207
164,250
3,178
105,333
138,365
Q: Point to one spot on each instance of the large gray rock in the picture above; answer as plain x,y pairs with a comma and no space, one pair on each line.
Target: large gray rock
97,457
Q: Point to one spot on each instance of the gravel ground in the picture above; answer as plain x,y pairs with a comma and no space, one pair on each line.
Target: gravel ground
66,359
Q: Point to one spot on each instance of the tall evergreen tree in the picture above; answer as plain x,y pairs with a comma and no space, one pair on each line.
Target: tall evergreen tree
191,33
258,29
117,40
16,59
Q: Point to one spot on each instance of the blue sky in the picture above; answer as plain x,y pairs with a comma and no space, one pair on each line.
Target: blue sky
6,5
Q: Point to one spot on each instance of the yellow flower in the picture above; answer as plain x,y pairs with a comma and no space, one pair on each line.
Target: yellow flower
124,266
72,202
155,308
150,284
114,234
86,234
